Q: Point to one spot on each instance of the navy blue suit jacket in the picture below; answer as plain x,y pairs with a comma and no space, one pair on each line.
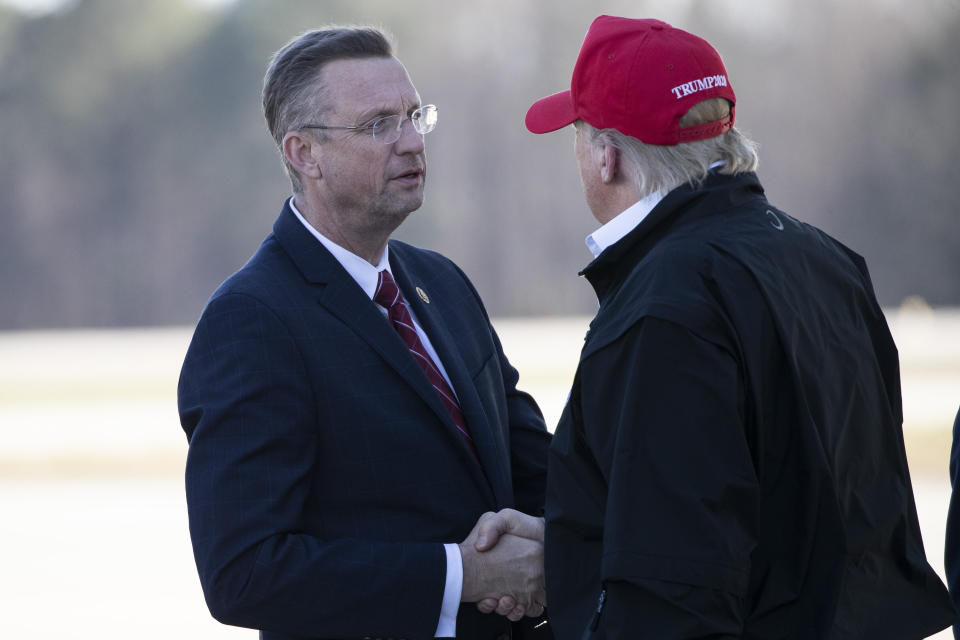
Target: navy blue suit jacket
323,471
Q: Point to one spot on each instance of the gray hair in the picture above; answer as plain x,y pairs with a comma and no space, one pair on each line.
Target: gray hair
664,168
292,96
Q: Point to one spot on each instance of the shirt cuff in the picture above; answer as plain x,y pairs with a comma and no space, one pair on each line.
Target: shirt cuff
447,627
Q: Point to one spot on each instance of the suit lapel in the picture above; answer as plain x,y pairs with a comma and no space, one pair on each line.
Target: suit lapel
491,450
345,300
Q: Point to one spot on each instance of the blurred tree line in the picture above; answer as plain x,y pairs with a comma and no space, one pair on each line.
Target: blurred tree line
137,173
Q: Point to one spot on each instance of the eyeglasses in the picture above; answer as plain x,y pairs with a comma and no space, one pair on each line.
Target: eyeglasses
386,130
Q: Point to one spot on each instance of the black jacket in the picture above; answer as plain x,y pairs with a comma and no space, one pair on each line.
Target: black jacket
951,552
730,463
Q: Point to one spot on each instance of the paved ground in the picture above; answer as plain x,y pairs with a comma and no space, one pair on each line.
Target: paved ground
112,559
93,533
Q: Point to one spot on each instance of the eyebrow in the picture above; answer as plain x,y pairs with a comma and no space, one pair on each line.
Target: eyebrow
382,111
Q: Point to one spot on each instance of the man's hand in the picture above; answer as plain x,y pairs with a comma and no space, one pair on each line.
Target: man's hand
503,564
491,526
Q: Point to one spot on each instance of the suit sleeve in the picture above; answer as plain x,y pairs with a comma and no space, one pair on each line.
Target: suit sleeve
683,496
248,411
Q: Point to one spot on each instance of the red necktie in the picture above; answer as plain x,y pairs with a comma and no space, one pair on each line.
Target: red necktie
388,296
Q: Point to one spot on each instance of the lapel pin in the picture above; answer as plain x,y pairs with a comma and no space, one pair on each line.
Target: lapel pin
423,295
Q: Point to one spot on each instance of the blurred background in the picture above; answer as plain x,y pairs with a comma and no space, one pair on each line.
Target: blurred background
136,173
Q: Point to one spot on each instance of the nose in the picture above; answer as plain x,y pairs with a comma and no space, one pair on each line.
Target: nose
409,141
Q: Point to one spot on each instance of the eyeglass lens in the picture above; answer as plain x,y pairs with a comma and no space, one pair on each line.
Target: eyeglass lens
387,129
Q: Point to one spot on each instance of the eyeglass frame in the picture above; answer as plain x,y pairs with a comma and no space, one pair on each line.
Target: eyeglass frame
414,118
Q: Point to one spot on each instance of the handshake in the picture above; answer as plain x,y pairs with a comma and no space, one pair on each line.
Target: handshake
503,565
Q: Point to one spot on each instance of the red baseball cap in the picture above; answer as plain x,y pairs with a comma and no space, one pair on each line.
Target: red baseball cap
639,77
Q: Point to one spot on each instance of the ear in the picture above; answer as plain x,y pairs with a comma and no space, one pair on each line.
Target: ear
302,152
609,159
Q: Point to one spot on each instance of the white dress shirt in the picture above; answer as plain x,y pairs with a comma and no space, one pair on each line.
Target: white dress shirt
622,224
366,276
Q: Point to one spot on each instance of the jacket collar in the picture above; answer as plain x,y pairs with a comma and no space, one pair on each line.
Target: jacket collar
608,271
317,265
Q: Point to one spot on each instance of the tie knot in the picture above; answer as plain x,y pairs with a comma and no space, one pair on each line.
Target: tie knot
388,293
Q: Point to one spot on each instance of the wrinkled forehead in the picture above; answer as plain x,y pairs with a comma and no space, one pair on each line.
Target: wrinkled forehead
358,85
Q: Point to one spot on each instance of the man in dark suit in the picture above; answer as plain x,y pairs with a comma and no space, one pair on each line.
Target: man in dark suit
352,418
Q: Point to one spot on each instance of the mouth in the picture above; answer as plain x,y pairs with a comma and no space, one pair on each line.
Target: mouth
413,176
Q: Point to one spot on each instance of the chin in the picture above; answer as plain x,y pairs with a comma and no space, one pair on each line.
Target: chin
398,215
400,206
412,205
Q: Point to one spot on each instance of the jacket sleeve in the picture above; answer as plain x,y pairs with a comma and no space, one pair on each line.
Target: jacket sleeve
682,502
951,555
249,413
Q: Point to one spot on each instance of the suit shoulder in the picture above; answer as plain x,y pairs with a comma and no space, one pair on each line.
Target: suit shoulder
413,254
427,261
264,277
435,270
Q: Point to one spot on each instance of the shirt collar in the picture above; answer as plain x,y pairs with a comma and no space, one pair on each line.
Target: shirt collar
364,273
622,224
